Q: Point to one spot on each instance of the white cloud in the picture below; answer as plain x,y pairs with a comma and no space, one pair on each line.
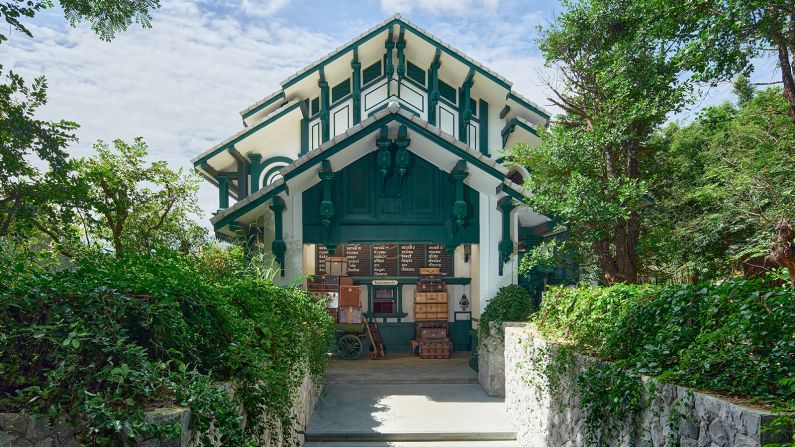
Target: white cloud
179,85
263,8
439,7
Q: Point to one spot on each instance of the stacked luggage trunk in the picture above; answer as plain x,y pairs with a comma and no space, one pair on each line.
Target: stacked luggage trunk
431,315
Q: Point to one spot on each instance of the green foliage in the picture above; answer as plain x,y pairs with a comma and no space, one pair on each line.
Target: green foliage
610,396
107,18
28,194
732,338
130,205
591,171
512,303
100,343
724,181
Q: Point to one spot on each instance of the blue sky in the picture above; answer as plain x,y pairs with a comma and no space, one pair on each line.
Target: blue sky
181,84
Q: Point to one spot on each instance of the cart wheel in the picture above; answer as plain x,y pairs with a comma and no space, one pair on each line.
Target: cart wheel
349,346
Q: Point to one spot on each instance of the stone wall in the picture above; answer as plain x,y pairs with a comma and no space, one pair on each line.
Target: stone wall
19,430
550,415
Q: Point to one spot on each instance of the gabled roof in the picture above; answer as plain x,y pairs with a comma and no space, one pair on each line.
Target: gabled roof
367,127
343,49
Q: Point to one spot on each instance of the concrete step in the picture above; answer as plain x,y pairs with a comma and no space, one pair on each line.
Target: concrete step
414,444
402,381
406,437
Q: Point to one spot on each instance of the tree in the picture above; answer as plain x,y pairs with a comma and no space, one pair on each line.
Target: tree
106,18
743,89
27,194
590,171
133,206
726,187
717,39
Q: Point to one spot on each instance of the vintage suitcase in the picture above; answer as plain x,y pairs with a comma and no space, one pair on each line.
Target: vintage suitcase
431,287
346,281
430,316
431,278
350,315
430,297
432,333
336,265
350,296
420,325
430,271
436,349
430,307
323,283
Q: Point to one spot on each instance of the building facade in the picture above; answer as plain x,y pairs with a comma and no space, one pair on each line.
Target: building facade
386,151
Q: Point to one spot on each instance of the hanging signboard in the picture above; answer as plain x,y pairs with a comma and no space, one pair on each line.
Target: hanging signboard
388,260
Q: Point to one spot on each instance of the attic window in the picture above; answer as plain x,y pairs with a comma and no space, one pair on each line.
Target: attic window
341,90
371,73
315,109
415,73
447,92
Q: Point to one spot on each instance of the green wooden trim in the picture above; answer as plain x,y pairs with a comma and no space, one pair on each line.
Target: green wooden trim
379,30
401,47
363,133
242,179
408,280
504,111
465,108
246,134
234,215
304,136
255,171
356,78
511,126
223,192
433,95
265,104
484,127
324,107
278,246
512,96
505,246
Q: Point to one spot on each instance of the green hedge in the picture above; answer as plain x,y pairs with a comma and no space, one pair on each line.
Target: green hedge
107,339
735,338
512,303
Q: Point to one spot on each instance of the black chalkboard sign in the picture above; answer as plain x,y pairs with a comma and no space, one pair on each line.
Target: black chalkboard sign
388,260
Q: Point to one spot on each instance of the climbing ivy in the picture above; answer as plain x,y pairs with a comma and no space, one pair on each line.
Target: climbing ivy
105,339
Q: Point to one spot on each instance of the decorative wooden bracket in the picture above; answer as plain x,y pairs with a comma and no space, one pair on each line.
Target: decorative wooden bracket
505,246
384,156
402,158
278,246
460,208
326,205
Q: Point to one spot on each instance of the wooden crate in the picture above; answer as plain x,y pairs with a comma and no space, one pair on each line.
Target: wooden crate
432,333
430,316
346,281
430,297
430,271
430,307
350,296
350,315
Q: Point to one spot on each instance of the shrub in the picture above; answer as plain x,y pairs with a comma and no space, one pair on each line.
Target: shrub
102,342
512,303
733,338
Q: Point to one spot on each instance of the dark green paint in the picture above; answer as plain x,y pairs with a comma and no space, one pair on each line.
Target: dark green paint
484,127
273,100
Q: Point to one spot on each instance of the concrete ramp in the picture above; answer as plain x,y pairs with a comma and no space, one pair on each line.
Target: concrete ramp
407,401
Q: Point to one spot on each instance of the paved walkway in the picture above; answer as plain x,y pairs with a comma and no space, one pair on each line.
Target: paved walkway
407,401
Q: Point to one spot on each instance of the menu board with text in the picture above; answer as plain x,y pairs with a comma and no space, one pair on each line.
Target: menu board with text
388,260
358,257
385,259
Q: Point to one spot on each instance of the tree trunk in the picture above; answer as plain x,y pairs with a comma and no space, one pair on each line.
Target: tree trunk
782,249
787,69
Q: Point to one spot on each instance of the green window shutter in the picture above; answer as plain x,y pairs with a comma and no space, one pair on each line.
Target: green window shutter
415,73
447,92
341,90
358,189
371,73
